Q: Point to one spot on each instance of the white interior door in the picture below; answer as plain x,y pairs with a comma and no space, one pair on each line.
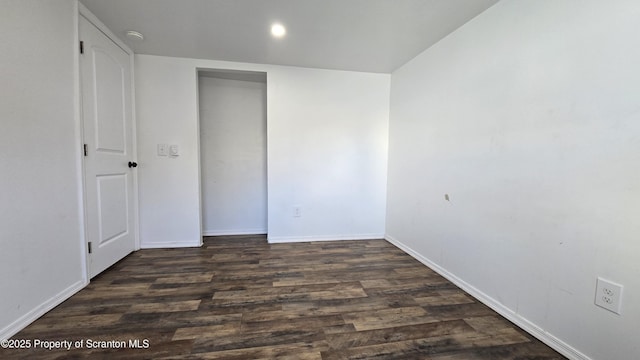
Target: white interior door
107,118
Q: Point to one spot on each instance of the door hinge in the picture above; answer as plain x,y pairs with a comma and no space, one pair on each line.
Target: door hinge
84,147
81,47
90,249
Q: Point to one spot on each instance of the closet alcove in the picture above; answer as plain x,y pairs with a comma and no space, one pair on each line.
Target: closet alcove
233,151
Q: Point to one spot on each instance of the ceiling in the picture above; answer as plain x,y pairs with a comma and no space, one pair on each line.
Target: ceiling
358,35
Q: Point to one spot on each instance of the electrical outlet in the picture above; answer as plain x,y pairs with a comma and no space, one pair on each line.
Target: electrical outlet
297,211
609,295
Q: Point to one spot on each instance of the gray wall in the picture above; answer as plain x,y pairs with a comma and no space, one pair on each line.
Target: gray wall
233,155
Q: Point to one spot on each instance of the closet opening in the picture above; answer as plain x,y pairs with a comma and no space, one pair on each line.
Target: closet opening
233,152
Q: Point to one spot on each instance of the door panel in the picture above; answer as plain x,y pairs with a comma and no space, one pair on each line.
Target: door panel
110,115
107,126
113,212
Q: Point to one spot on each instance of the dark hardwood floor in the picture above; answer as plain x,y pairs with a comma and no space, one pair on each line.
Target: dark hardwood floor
241,298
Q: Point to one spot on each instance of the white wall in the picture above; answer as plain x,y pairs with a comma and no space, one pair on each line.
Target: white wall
327,154
167,113
41,236
327,145
233,155
529,118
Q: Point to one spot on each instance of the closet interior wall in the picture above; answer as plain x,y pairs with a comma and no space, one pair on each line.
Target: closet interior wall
233,152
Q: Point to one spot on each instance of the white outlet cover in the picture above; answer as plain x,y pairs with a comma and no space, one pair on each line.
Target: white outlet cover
297,211
609,295
174,150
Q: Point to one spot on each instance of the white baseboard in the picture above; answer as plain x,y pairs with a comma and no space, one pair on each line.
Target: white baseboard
26,319
533,329
290,239
170,245
234,232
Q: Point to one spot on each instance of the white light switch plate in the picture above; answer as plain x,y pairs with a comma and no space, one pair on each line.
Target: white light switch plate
163,149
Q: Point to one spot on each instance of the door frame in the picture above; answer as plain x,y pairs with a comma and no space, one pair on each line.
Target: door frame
84,12
231,72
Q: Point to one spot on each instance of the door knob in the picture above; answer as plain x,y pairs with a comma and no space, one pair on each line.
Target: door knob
133,164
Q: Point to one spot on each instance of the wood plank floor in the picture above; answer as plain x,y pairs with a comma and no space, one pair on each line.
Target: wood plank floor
241,298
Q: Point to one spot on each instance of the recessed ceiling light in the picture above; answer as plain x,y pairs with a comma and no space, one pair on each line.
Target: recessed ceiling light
278,30
134,35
